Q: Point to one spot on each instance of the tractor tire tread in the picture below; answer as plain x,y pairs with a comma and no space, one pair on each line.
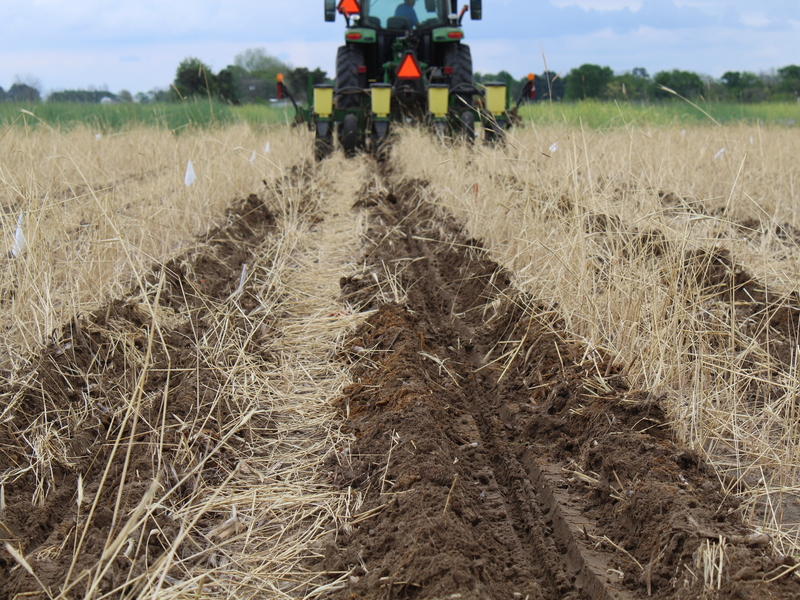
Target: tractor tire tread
348,60
459,58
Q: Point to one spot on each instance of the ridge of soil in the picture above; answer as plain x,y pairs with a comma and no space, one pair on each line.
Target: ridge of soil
495,458
113,375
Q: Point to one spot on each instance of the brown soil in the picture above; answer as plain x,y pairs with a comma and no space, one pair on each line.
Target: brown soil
498,460
91,381
493,458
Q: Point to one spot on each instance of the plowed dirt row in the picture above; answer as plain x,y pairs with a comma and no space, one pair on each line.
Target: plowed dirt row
173,439
490,456
503,461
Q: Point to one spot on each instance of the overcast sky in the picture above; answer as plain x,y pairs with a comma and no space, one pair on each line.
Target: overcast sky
137,45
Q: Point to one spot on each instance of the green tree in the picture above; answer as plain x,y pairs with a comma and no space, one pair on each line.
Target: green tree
297,81
22,92
550,86
255,73
194,78
125,96
227,85
685,83
79,96
743,86
732,79
256,60
789,79
587,81
634,85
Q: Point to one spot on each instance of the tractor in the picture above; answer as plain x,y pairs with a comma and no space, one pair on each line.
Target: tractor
403,61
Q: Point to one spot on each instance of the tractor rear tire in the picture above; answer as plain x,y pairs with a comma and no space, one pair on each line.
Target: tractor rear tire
459,58
347,90
348,134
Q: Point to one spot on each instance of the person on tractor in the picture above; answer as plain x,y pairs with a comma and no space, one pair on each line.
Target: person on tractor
406,10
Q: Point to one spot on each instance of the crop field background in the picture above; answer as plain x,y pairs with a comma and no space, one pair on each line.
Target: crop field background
173,354
116,117
205,113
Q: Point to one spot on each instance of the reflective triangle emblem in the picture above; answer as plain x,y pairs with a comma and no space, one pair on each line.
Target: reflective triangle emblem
349,7
409,69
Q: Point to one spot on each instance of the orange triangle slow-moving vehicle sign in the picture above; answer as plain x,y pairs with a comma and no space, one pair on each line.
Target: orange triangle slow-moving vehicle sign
349,7
409,69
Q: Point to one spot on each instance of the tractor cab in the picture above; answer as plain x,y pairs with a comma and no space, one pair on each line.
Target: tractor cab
404,14
399,14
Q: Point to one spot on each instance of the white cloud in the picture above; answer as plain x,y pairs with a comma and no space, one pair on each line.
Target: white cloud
754,20
707,6
600,5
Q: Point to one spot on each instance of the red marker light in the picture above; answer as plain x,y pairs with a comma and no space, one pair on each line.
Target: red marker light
455,35
353,36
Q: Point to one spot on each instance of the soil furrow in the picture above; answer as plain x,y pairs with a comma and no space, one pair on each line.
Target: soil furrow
214,376
496,459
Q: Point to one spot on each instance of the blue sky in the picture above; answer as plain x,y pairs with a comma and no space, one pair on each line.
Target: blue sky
136,45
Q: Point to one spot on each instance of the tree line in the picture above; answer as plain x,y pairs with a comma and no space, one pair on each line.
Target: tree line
20,92
251,79
600,82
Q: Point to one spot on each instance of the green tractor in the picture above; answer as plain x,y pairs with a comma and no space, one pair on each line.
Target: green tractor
403,61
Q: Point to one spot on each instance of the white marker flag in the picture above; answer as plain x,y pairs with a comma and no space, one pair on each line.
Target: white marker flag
190,177
19,239
720,153
266,148
253,157
553,146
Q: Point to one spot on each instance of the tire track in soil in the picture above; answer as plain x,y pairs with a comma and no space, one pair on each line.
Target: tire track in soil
495,459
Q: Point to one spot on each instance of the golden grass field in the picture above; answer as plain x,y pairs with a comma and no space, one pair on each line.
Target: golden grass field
557,206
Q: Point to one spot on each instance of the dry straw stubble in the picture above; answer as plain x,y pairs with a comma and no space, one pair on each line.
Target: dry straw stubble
648,243
244,491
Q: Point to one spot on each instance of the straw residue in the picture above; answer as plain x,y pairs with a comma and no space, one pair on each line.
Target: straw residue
179,442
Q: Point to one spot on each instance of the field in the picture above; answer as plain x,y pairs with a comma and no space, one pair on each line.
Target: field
203,113
561,368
